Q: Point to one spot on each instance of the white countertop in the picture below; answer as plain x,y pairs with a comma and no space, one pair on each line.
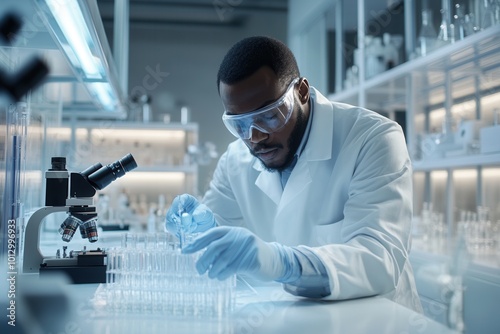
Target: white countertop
266,309
269,309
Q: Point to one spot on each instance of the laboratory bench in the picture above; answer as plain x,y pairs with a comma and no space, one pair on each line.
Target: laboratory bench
259,309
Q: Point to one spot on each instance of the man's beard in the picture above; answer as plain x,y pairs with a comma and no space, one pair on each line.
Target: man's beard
293,142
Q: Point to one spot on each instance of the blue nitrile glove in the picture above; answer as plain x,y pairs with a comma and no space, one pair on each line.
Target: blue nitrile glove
234,250
202,216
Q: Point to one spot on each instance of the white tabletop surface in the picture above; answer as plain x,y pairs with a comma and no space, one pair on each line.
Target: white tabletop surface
263,309
269,309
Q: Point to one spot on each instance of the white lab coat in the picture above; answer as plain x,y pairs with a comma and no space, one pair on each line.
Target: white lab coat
349,198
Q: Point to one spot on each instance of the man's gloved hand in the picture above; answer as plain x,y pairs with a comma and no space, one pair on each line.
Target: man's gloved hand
233,250
202,216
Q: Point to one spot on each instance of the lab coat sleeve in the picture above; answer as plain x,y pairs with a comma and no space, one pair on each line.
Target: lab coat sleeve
376,227
220,198
308,276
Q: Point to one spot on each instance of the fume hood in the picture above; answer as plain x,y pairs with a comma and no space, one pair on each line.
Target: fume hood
69,36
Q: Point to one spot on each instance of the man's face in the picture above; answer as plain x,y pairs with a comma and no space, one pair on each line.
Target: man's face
275,150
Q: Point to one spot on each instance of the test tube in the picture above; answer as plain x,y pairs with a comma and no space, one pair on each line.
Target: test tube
185,222
180,226
159,279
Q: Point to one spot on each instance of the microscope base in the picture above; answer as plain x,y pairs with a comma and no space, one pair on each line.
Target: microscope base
86,267
79,275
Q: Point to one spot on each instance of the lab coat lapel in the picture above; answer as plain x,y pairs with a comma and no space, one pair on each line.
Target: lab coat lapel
295,198
318,148
297,183
269,183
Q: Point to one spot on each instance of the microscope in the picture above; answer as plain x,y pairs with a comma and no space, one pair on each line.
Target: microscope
72,193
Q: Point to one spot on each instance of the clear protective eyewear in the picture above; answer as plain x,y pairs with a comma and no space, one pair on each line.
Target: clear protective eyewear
268,119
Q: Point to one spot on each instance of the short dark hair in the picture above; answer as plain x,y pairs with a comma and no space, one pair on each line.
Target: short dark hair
250,54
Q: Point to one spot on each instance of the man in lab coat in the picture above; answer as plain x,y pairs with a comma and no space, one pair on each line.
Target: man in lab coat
314,194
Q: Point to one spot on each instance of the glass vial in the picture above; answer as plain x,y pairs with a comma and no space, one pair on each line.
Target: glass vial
446,33
459,22
487,14
427,35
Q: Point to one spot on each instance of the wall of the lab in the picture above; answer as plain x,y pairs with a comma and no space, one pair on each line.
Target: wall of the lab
188,59
303,12
308,40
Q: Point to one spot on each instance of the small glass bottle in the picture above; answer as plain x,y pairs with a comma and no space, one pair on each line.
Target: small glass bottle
487,15
427,35
391,54
445,29
459,22
469,27
374,57
496,10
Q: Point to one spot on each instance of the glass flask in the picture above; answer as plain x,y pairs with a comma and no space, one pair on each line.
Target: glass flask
427,35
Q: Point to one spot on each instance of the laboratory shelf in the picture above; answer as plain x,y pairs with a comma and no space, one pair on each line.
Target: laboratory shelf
168,169
481,264
475,55
130,125
468,161
454,83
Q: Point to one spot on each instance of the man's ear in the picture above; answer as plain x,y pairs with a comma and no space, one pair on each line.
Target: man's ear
303,90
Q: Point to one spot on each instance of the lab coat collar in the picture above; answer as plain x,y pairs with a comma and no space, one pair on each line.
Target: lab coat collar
320,142
318,148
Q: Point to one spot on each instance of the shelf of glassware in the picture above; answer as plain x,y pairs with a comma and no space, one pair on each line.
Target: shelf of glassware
389,90
453,106
155,146
160,150
467,161
457,82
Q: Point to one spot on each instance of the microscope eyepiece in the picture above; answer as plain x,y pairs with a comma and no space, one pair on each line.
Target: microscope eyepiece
56,191
128,163
58,163
107,174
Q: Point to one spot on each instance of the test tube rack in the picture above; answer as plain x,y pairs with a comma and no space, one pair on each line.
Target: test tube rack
150,275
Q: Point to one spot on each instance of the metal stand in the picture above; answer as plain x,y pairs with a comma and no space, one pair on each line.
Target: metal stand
32,256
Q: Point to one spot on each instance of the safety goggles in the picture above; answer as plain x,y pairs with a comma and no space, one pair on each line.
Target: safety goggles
268,119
